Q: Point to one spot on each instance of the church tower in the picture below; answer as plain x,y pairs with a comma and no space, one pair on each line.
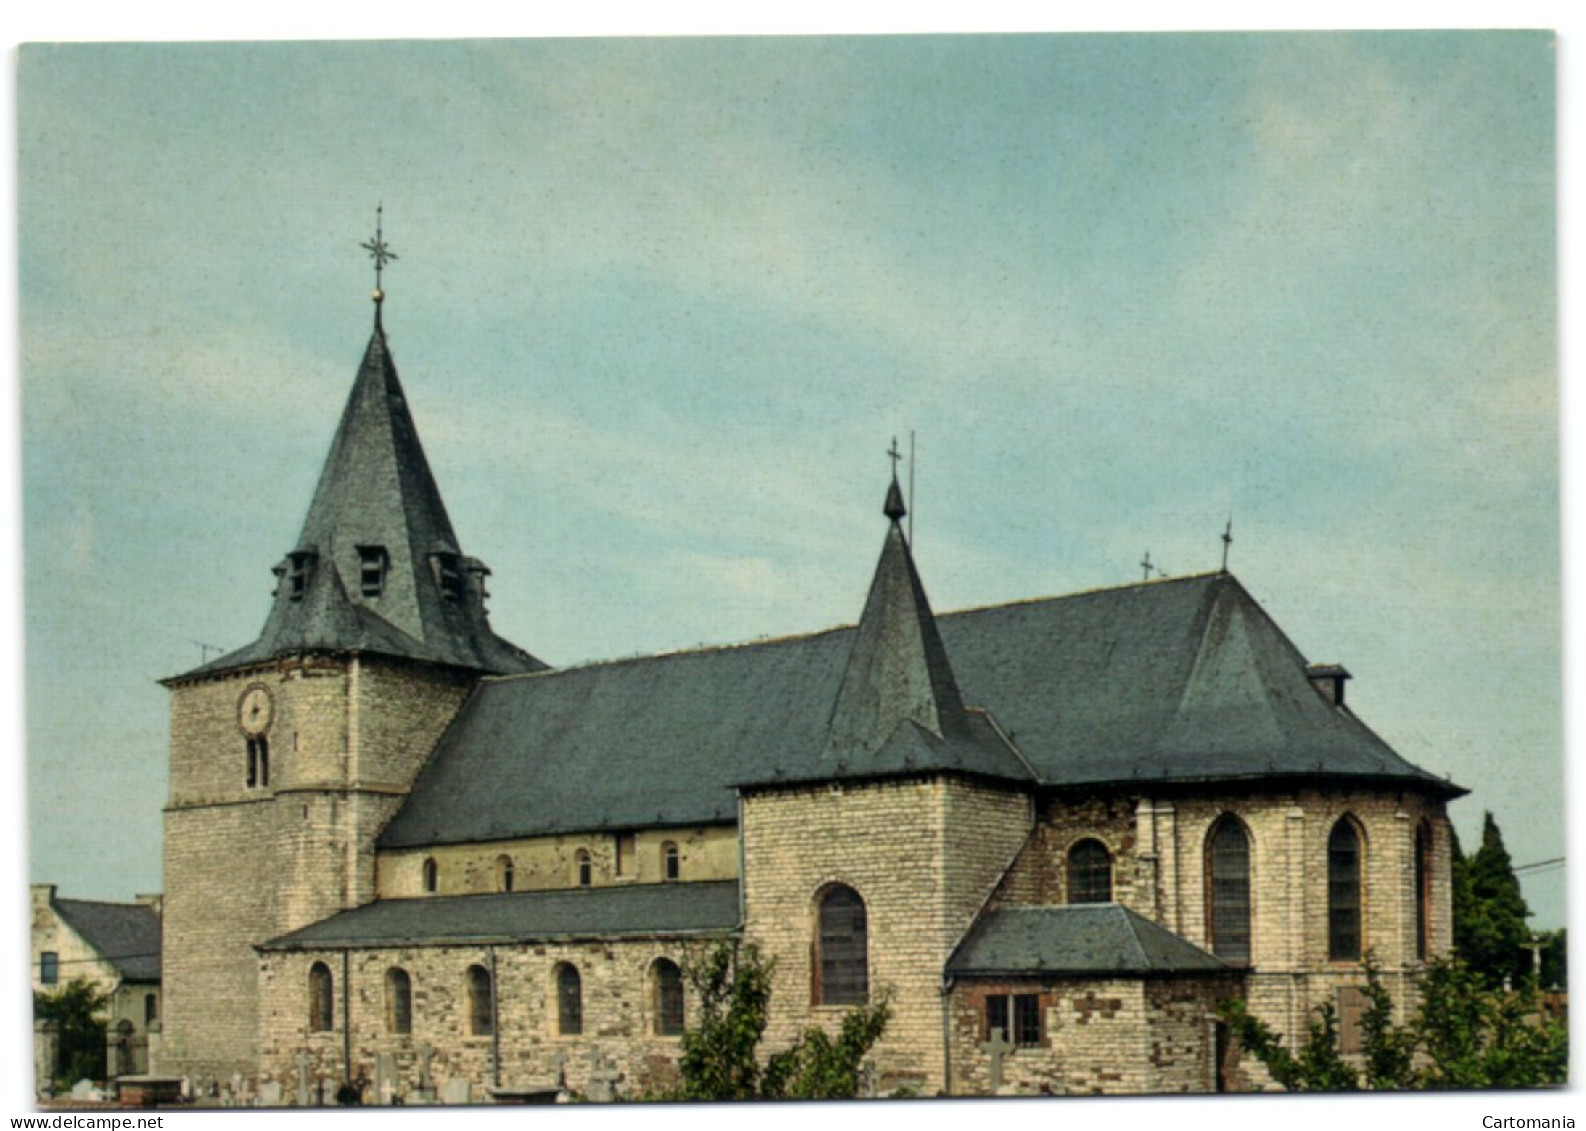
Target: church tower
289,755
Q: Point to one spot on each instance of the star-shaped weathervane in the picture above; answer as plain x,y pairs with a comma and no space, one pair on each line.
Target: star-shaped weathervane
377,249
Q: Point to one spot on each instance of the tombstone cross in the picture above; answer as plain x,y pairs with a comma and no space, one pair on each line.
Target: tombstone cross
603,1078
303,1096
559,1066
997,1047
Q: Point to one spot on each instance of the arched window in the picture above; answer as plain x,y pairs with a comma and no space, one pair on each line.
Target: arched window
431,875
843,966
569,1000
1343,892
1423,891
1089,872
667,997
398,1001
151,1009
503,873
669,861
1228,889
321,992
586,868
481,1003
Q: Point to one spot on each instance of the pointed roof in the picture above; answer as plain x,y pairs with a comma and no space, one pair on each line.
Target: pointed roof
377,566
897,667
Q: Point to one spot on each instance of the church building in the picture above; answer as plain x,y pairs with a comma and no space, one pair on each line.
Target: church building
1054,833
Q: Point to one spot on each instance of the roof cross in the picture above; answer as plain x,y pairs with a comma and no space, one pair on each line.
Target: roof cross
1145,564
378,251
894,455
1228,540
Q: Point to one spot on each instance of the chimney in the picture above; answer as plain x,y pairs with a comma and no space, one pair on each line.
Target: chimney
1328,679
156,901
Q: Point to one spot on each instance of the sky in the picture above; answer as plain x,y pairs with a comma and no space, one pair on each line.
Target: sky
661,306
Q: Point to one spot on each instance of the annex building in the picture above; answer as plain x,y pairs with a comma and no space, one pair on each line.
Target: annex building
402,850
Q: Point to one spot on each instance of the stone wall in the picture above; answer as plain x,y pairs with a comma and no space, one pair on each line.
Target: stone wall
246,864
923,854
619,1015
549,862
1098,1036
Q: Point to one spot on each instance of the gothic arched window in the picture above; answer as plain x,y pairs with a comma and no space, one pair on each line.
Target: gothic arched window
1343,892
1089,872
504,873
586,868
431,874
321,995
1228,889
481,1002
669,861
667,988
398,1001
843,959
569,1000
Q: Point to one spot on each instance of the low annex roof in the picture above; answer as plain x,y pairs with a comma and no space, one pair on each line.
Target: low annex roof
127,935
1182,680
605,912
1082,940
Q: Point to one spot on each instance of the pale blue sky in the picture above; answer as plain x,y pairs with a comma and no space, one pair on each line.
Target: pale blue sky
661,305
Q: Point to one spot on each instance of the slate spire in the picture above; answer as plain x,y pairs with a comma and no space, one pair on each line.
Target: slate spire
898,669
377,566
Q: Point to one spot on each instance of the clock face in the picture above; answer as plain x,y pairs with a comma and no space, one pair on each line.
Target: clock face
254,710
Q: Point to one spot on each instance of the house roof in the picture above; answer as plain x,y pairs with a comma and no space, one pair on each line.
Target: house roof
127,935
1184,680
605,912
1080,940
376,493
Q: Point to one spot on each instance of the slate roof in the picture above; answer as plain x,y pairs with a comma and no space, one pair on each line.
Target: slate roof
376,490
127,935
1182,680
1080,940
605,912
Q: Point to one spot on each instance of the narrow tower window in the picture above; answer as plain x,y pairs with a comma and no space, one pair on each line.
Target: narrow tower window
1423,891
669,861
372,562
1343,892
258,762
431,876
300,573
1089,872
843,962
503,873
586,868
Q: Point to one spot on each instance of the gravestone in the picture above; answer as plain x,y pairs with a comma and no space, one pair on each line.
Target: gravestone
327,1092
83,1091
269,1094
559,1067
456,1091
305,1096
603,1078
998,1047
385,1078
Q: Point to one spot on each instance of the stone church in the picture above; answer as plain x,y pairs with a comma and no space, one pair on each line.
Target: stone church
402,850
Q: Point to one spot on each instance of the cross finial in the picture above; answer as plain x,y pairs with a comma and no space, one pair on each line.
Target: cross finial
894,455
1145,564
379,252
1228,540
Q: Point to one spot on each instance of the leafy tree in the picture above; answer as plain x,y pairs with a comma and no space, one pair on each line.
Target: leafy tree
76,1009
1489,911
1464,1034
1555,959
719,1052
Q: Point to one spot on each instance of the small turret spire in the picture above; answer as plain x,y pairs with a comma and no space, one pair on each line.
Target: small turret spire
382,254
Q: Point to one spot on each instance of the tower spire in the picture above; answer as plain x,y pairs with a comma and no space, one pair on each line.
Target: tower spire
894,508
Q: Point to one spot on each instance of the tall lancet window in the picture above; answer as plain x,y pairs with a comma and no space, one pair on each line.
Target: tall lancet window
843,950
1343,892
321,999
1228,889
